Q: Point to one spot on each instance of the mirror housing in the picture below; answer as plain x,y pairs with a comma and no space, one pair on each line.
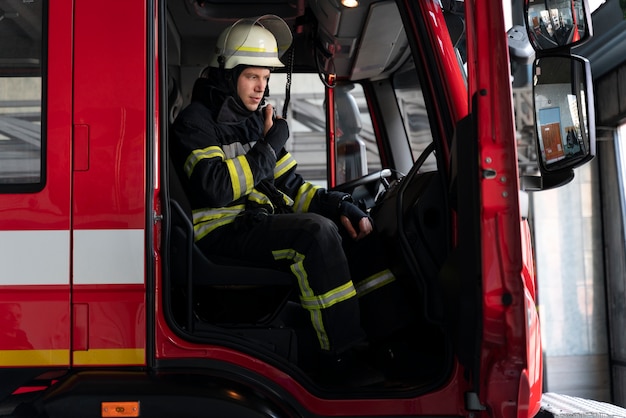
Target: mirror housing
563,100
564,112
546,181
557,24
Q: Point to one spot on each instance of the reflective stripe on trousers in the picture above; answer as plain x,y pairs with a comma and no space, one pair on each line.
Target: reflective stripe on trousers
311,302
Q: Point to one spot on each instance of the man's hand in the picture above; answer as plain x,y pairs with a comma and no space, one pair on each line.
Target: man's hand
354,220
268,113
278,131
365,227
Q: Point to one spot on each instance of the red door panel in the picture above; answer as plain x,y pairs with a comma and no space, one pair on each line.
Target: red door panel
109,200
35,217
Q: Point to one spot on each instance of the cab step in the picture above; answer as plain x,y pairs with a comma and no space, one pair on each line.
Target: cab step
564,406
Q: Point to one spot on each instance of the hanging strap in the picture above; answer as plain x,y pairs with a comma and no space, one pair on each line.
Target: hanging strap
288,83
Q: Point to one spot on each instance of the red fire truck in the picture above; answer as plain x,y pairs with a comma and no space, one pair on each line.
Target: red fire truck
108,309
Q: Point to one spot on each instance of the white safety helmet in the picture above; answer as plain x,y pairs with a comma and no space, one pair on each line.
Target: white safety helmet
258,42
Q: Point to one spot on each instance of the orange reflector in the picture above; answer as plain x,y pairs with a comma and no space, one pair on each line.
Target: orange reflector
120,409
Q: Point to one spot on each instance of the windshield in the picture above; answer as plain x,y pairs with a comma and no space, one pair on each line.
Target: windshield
454,13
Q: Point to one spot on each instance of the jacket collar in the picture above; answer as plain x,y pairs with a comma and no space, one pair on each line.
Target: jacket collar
226,108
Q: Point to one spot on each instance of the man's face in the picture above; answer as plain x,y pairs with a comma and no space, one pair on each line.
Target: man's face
251,86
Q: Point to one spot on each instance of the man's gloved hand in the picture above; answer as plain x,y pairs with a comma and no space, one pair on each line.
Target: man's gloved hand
278,134
356,222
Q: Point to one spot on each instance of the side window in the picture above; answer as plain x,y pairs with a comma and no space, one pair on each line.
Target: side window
21,89
414,115
307,122
357,150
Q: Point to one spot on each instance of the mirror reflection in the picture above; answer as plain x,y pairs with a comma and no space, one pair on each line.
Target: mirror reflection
565,129
557,23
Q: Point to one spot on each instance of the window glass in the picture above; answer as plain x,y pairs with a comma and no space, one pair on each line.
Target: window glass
21,28
357,150
454,15
307,122
414,115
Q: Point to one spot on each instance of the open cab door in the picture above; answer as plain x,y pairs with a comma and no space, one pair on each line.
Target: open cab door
509,362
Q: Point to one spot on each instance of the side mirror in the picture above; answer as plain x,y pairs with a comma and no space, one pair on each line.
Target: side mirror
564,117
562,90
557,24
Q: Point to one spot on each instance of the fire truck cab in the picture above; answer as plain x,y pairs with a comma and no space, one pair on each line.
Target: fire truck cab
107,307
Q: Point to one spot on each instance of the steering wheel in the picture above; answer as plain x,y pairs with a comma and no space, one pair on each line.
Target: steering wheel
366,188
362,181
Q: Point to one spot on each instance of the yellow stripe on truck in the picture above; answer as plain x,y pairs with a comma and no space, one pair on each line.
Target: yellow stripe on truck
101,356
34,358
110,357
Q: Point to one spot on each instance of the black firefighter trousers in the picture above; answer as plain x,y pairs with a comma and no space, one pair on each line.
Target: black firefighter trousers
311,247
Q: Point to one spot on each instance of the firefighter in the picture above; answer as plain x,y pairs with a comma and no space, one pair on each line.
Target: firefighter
248,201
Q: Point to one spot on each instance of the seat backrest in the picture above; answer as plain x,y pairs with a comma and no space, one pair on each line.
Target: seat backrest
174,99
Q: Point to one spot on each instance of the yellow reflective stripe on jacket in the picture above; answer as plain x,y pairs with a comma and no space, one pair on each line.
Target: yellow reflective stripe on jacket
236,148
283,165
288,201
200,154
207,220
374,282
240,176
312,303
305,195
260,198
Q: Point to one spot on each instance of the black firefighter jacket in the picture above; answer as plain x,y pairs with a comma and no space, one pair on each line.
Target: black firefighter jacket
218,146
